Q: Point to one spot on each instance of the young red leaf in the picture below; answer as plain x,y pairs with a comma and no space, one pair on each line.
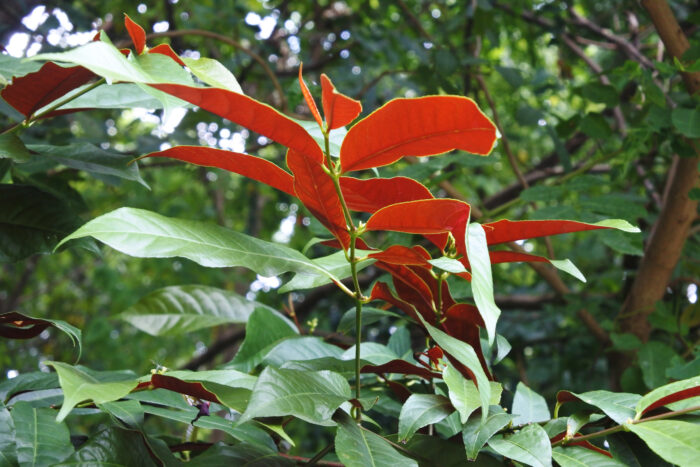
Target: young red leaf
505,256
359,243
411,289
424,273
165,49
429,216
372,194
381,291
401,367
249,113
423,126
137,34
338,108
183,387
507,231
462,321
33,91
14,325
316,190
249,166
403,256
309,99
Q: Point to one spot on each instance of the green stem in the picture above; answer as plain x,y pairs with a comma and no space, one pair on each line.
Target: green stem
321,454
63,102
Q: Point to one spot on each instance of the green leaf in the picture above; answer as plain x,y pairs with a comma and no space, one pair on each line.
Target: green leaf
421,410
221,455
11,147
448,264
399,341
503,348
618,224
264,330
528,406
113,446
475,434
595,126
232,388
28,326
335,264
512,75
186,308
145,234
675,441
625,341
303,348
336,365
213,73
31,221
654,358
622,243
79,386
576,456
482,279
619,406
40,439
542,193
369,316
464,395
101,164
34,381
530,446
114,96
601,93
568,267
632,451
663,391
687,121
335,138
466,355
377,354
357,447
8,451
310,396
13,67
129,412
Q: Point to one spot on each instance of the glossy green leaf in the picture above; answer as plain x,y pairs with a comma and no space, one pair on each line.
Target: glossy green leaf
264,330
213,73
231,378
687,121
186,308
303,348
676,441
664,392
617,405
357,447
8,451
377,354
113,96
336,365
475,434
129,412
79,386
482,279
335,264
530,446
464,395
654,358
145,234
448,264
113,446
528,406
11,147
15,67
41,440
449,454
104,165
576,456
335,137
31,221
34,381
421,410
466,355
310,396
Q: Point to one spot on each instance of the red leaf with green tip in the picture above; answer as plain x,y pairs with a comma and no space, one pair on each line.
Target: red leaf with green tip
507,231
338,108
137,34
249,166
372,194
248,112
428,216
403,256
309,99
498,257
424,126
316,190
33,91
165,49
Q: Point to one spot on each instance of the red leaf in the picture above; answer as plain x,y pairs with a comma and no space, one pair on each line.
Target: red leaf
411,289
33,91
309,99
249,113
417,127
400,367
249,166
462,321
316,190
165,49
504,256
14,325
403,256
381,291
674,397
583,444
338,108
372,194
137,34
507,231
359,243
183,387
427,277
428,216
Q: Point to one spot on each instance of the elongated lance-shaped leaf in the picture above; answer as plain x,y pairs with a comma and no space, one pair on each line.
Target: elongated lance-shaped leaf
577,456
137,34
253,167
530,446
528,406
675,441
212,72
475,433
464,394
482,279
372,194
619,406
424,126
309,98
339,109
248,112
669,393
40,440
506,256
145,234
335,263
428,216
165,49
507,231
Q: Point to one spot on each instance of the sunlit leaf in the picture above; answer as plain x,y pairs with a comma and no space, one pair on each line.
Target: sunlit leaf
528,406
618,406
482,279
667,394
430,216
421,410
339,109
372,194
310,102
137,34
464,395
213,73
265,329
507,231
530,446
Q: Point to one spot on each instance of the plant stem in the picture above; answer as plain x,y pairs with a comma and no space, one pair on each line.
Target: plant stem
320,455
63,102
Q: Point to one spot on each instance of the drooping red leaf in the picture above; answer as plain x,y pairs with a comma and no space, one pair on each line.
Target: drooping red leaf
183,387
462,321
428,216
403,256
253,167
309,98
424,126
505,256
137,34
359,243
507,231
411,289
584,444
372,194
165,49
400,367
33,91
338,108
14,325
316,190
381,291
249,113
425,275
675,397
